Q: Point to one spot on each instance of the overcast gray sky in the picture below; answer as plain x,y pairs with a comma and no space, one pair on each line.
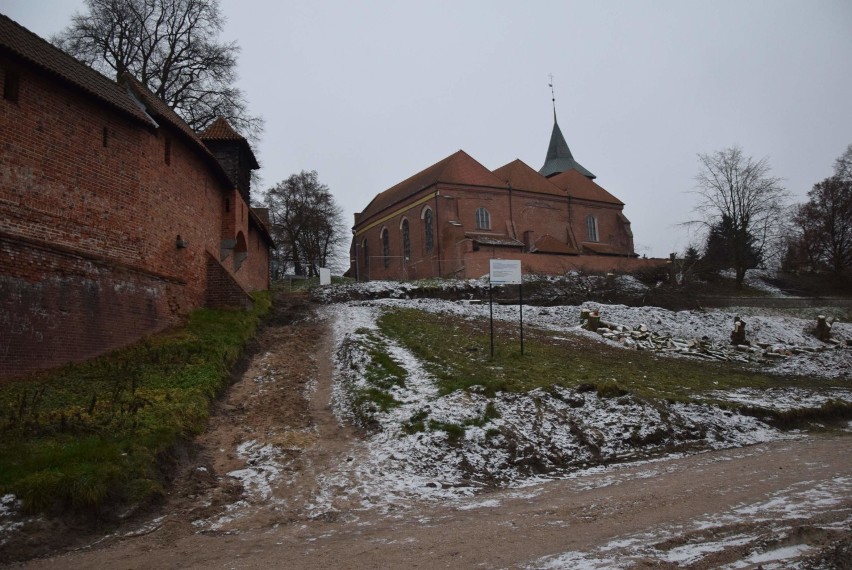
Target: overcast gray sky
369,93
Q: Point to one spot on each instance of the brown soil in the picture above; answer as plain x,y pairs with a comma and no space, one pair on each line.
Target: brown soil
282,400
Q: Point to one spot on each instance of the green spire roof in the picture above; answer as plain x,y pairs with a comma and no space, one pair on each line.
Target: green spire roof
559,158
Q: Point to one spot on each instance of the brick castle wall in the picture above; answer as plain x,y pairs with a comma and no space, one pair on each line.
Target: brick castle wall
91,207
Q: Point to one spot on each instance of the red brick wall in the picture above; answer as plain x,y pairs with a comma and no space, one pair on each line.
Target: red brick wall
80,182
223,290
58,307
477,264
454,213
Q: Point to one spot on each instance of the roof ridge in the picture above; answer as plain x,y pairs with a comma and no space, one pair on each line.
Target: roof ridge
220,129
29,46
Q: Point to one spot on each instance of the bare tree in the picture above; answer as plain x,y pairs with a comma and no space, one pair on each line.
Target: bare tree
738,196
170,46
824,222
843,165
306,223
825,225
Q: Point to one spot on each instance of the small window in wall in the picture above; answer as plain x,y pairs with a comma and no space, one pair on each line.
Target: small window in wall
227,204
11,85
167,156
427,228
406,240
385,247
592,228
105,141
483,219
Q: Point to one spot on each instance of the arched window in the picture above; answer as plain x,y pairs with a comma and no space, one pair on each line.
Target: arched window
592,228
406,240
366,255
385,247
427,228
483,219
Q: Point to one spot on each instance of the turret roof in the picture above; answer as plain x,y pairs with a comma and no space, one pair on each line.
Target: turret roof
559,157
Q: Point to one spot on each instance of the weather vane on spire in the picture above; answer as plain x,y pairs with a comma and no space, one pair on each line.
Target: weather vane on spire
552,95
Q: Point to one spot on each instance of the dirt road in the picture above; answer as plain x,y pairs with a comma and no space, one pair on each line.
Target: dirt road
249,498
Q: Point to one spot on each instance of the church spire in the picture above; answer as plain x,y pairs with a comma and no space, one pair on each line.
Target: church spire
559,157
552,96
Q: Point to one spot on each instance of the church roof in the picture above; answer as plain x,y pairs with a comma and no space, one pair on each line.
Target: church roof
579,187
458,168
221,130
559,157
522,177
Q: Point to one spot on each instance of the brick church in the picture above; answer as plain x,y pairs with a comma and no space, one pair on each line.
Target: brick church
116,219
450,219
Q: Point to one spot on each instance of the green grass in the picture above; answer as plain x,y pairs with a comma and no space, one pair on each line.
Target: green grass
91,434
457,352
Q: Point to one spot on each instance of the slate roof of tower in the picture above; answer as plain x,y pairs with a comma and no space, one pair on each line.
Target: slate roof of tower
559,157
458,168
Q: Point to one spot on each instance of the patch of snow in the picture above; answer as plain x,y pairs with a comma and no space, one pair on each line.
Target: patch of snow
10,508
781,399
538,434
779,516
691,553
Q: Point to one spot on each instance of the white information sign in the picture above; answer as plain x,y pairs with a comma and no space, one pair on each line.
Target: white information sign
505,272
325,276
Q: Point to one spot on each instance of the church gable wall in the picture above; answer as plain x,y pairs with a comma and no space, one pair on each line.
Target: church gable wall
611,230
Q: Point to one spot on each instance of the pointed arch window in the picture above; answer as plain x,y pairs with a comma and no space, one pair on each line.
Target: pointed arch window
592,228
406,240
483,219
385,247
427,229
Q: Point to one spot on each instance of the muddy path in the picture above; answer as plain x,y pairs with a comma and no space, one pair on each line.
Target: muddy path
249,497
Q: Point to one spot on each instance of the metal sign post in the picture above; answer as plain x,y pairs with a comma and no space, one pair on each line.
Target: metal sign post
505,272
521,307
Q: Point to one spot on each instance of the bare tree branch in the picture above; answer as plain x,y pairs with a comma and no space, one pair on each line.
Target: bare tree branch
172,47
738,197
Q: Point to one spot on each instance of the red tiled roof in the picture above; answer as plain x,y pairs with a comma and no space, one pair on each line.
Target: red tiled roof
580,187
221,130
549,244
21,42
523,177
602,248
494,239
158,109
458,168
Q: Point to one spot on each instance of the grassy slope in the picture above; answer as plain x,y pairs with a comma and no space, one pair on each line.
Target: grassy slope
91,434
457,352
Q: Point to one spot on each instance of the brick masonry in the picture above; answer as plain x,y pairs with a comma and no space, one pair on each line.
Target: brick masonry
454,254
107,226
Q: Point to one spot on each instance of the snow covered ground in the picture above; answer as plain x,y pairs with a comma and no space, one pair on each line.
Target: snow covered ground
554,433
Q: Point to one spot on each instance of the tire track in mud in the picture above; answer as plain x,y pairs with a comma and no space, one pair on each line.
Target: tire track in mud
274,434
248,499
